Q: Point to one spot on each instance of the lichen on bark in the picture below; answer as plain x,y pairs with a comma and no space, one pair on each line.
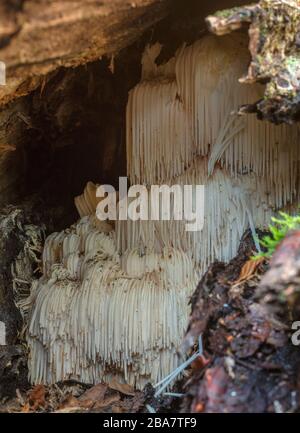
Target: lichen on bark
274,32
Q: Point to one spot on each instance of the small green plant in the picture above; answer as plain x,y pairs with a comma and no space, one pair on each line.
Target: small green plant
278,231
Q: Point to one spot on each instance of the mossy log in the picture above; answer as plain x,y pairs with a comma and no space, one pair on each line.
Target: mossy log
274,31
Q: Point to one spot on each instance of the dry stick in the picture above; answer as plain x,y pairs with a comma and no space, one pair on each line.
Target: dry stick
167,380
174,394
150,409
253,231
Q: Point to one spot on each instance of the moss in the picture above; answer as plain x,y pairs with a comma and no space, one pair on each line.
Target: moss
275,53
293,63
278,230
227,12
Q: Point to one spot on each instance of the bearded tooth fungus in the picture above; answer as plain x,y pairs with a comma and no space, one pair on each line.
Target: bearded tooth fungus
114,301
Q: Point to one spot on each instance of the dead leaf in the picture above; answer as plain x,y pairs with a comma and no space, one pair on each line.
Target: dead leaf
20,397
43,84
95,393
73,402
124,388
199,407
200,362
87,400
107,401
69,402
138,401
248,270
26,408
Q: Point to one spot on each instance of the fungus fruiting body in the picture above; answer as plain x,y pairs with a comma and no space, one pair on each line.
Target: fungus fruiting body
91,319
115,301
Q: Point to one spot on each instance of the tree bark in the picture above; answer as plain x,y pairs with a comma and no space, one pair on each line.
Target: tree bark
274,31
37,37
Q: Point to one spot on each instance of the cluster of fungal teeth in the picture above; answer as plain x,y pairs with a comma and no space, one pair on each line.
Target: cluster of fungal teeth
93,318
115,301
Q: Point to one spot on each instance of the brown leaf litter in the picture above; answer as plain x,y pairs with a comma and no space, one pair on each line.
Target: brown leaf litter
71,397
243,310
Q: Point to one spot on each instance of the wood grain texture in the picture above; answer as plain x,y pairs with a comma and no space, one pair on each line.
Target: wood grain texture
39,36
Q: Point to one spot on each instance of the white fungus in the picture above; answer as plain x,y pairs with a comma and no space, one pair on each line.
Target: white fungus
115,302
91,319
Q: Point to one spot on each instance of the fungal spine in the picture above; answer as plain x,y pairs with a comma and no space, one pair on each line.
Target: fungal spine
114,301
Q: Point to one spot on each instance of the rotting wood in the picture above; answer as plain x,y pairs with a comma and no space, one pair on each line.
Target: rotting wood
274,31
36,38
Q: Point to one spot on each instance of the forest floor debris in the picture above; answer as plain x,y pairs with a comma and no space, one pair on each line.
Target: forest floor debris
248,363
71,397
